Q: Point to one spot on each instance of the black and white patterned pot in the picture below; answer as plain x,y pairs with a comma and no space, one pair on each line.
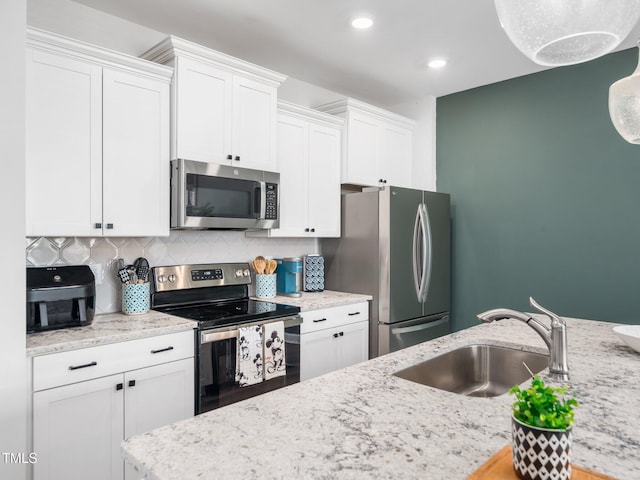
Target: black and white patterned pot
540,453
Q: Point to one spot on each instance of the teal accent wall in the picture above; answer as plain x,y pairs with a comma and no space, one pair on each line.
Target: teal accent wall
545,195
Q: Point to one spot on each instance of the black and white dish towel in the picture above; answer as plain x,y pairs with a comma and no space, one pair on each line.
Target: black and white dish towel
260,353
249,357
274,356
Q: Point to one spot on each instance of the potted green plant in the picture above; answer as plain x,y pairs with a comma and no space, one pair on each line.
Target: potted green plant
541,431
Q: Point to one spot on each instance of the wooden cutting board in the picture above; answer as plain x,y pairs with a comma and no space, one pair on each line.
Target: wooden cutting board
500,467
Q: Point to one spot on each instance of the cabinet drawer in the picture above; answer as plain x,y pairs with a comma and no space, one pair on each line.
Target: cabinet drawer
333,317
84,364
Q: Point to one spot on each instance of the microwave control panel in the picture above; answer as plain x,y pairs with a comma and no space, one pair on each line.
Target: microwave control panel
271,204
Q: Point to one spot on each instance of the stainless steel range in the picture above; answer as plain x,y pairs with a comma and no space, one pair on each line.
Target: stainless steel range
216,297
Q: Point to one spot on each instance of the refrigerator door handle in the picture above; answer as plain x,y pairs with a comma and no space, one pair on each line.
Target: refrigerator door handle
422,326
427,258
425,275
417,272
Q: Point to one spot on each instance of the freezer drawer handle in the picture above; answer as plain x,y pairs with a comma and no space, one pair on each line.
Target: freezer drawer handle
318,320
417,328
76,367
162,350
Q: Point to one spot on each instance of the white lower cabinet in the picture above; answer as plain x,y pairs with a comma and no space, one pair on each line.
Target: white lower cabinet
333,338
78,427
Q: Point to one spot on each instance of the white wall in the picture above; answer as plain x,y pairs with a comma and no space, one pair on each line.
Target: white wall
92,26
306,94
13,374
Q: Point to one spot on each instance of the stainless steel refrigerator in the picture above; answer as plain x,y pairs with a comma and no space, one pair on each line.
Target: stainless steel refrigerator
395,245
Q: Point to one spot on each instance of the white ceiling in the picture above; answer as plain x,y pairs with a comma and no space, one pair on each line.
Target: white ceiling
312,40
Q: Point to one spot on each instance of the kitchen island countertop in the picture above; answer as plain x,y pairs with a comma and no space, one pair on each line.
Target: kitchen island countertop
363,422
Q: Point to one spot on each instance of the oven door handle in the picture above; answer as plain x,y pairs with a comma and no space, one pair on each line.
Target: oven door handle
218,335
209,337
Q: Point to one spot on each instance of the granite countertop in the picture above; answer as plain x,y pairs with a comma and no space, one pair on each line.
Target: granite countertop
118,327
316,300
107,328
363,422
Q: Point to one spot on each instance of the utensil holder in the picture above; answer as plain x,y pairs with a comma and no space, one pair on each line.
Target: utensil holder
265,285
135,298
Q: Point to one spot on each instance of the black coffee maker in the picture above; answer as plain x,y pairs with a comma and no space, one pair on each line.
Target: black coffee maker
59,297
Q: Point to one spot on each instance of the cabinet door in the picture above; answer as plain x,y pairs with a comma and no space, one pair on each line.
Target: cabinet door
254,124
318,353
63,146
292,164
158,395
353,344
77,430
363,150
397,155
135,155
324,181
202,112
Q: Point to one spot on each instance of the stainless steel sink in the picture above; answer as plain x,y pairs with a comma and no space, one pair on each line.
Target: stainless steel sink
476,370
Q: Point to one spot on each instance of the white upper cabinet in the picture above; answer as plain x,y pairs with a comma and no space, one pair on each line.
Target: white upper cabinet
201,125
309,165
377,145
97,141
224,110
135,173
397,155
63,145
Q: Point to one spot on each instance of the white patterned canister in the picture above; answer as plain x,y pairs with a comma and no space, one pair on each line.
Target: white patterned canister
135,298
265,285
540,453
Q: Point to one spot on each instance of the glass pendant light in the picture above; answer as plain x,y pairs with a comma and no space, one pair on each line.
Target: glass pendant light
624,105
564,32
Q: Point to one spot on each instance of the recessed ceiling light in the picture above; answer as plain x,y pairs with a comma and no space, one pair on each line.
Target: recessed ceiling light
362,22
437,63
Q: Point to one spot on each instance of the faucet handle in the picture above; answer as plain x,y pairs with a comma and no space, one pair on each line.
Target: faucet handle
555,319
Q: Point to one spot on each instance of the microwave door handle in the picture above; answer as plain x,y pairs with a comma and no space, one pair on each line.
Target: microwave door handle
260,200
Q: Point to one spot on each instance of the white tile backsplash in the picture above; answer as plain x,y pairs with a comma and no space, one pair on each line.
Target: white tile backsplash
182,246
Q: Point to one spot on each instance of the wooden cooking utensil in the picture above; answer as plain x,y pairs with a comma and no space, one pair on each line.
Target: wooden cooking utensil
271,266
259,264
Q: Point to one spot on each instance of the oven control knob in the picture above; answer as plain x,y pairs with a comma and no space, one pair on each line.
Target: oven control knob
246,272
238,273
172,278
162,278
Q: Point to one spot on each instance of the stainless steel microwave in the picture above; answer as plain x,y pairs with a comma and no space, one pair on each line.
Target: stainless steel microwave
213,196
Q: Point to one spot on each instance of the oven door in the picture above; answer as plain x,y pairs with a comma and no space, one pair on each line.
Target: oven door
207,195
216,384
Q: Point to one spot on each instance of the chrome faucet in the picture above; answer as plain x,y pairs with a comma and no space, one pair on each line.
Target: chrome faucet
555,337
